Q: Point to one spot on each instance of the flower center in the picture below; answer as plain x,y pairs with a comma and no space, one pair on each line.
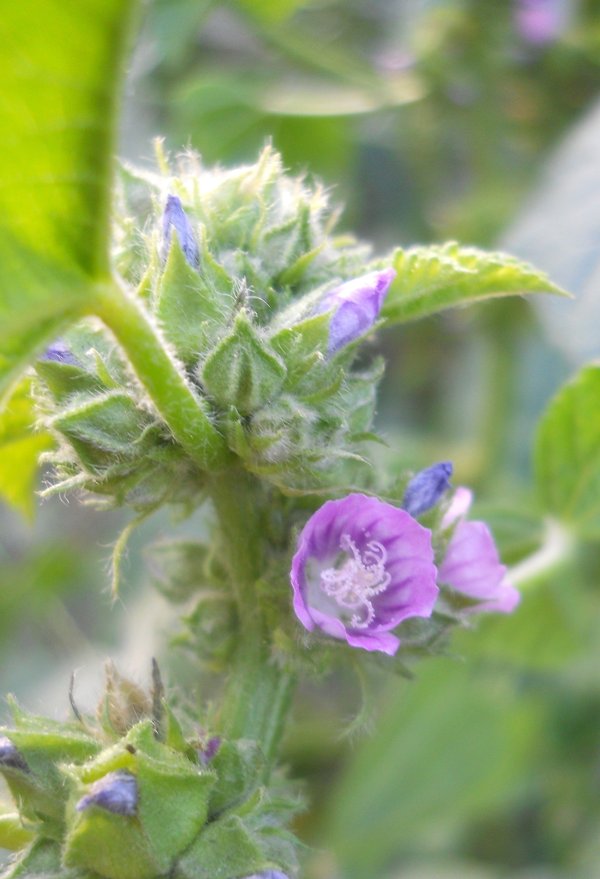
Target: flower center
360,577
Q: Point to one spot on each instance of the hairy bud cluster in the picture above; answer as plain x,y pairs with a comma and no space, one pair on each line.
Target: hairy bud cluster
261,308
142,805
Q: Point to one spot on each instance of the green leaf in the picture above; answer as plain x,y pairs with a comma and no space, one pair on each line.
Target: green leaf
431,279
20,448
450,745
567,453
60,69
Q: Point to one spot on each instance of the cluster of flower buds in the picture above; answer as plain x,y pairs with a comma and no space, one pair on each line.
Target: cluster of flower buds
363,566
260,307
142,805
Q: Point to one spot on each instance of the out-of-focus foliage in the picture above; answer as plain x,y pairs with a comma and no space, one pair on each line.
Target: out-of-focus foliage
430,117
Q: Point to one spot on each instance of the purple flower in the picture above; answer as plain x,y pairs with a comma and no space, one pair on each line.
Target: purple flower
209,750
362,566
60,353
10,756
355,305
426,488
471,564
174,217
116,792
541,21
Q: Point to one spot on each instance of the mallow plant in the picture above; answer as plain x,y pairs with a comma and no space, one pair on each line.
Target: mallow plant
225,363
196,338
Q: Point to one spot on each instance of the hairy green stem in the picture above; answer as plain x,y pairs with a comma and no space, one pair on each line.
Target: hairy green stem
183,411
258,692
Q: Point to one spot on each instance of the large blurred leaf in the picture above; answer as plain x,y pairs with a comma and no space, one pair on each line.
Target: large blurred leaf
449,745
567,453
559,230
20,447
60,68
431,279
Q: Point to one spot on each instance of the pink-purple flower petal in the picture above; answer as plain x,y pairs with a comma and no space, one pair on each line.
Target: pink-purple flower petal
471,563
362,566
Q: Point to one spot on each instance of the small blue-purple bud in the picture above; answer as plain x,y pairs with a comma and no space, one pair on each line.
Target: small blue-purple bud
60,353
355,305
268,874
426,488
209,750
116,792
10,756
174,217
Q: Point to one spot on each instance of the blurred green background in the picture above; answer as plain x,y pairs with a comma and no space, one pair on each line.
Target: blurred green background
429,120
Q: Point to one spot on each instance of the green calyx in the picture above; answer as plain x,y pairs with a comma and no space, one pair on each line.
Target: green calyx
199,364
135,797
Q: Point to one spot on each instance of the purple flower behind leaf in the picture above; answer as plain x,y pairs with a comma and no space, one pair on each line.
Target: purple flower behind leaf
471,564
426,488
355,305
174,217
541,21
209,750
362,566
116,792
10,756
60,353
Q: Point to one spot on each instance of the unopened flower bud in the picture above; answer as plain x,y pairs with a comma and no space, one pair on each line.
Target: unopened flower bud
11,757
268,874
174,217
355,305
426,488
60,353
116,792
209,750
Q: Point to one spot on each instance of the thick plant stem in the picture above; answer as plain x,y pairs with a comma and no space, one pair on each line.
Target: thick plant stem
183,411
557,549
258,692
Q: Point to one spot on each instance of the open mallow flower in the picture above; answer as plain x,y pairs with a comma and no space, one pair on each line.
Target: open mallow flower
355,305
471,564
174,217
116,792
426,488
362,566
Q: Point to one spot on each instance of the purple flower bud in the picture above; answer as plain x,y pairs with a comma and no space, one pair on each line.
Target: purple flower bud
471,564
209,750
541,21
426,488
355,305
268,874
362,566
116,792
60,353
10,756
174,217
